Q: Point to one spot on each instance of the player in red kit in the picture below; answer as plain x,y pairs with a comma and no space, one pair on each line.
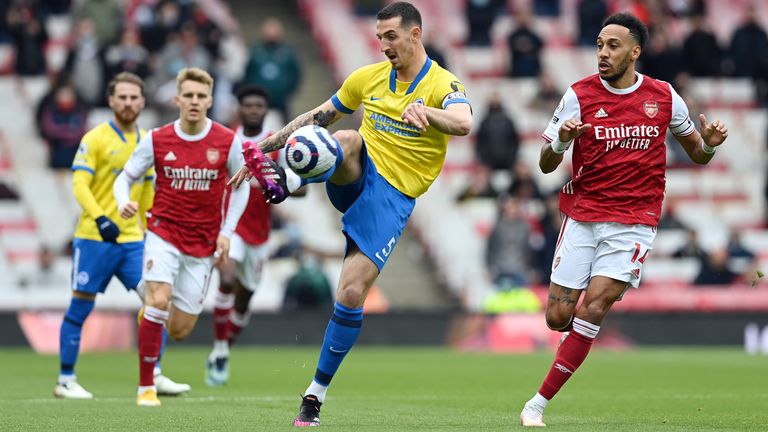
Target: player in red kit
616,121
248,253
193,157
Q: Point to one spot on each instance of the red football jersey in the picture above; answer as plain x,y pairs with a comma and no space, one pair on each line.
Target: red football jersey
191,177
619,164
256,221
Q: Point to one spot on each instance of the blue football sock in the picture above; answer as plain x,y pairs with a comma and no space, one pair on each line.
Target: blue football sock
340,335
326,175
69,337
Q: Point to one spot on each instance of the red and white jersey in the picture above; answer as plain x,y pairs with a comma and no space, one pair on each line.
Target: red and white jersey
256,221
191,178
619,164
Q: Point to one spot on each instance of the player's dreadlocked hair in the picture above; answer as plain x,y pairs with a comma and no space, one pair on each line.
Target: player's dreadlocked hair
407,12
637,29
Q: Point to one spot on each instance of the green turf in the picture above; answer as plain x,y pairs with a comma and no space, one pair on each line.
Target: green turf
399,389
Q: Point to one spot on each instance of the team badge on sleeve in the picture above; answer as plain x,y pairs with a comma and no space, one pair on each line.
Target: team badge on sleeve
651,108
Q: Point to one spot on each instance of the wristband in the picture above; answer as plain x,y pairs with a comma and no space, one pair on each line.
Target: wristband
560,147
707,149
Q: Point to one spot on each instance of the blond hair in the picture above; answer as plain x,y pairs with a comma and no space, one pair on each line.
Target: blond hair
125,77
194,74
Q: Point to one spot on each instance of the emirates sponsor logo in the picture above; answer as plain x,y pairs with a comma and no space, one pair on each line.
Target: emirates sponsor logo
628,137
190,179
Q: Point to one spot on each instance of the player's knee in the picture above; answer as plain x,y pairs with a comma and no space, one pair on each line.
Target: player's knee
557,319
594,311
179,332
351,295
350,142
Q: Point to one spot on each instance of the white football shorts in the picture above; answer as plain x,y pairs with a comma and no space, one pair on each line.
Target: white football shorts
250,261
189,276
614,250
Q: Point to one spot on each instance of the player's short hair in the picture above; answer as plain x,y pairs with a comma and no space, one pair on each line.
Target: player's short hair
251,90
637,29
407,12
125,77
194,74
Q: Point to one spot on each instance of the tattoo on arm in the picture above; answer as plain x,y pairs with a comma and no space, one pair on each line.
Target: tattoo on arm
324,118
320,118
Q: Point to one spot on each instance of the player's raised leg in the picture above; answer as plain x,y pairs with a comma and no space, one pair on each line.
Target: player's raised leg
130,275
357,276
599,298
150,339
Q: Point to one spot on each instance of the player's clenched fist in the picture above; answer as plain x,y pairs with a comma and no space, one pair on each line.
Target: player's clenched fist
572,129
129,210
416,114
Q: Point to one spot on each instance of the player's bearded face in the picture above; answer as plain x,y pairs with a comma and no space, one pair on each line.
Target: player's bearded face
615,52
126,102
615,72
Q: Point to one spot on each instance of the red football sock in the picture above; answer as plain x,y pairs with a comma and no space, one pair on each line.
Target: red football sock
569,357
150,340
221,310
237,322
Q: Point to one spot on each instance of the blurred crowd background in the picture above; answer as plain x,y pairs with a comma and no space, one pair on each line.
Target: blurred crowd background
483,238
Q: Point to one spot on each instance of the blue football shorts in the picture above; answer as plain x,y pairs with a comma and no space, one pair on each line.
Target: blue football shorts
375,212
95,262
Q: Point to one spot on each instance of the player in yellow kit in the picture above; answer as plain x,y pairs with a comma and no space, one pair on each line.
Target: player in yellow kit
105,244
411,107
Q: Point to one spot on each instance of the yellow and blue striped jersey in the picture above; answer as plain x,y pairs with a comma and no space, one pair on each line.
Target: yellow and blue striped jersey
409,159
103,152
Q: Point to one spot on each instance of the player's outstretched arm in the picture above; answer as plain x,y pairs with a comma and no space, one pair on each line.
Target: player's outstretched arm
324,115
701,146
455,119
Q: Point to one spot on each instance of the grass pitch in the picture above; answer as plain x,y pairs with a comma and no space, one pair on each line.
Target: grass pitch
398,389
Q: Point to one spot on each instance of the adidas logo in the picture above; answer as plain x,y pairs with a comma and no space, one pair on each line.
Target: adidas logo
601,113
172,157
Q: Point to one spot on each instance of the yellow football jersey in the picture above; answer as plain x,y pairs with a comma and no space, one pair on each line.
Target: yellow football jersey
409,159
103,152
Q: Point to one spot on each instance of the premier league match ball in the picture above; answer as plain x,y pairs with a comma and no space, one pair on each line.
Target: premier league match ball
311,151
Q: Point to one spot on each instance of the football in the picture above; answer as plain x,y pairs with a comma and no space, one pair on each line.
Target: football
311,150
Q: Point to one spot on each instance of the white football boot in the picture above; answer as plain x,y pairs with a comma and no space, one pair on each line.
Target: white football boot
71,390
532,415
167,387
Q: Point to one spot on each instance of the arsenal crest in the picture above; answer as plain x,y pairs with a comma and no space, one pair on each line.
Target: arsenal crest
212,155
651,108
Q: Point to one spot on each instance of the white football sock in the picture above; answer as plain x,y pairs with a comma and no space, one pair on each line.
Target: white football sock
317,390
